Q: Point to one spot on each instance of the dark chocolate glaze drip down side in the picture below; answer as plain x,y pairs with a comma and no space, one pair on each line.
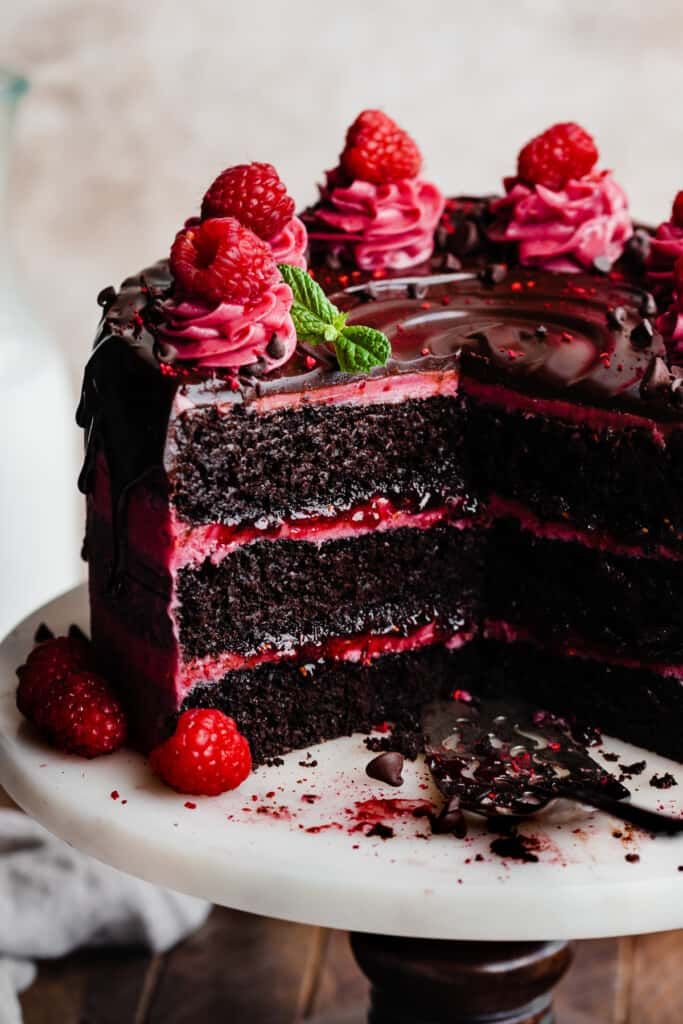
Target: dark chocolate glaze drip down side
125,399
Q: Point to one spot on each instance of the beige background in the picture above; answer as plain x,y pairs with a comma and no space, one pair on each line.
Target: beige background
135,105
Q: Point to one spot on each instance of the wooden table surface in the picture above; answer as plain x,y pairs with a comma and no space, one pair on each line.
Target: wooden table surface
243,967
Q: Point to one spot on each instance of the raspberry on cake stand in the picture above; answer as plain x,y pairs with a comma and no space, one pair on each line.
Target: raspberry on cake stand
463,931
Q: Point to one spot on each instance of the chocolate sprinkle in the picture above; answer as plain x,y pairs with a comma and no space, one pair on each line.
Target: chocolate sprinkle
451,819
657,377
276,347
602,264
637,768
665,781
616,317
642,334
416,291
514,847
494,273
106,297
387,768
383,831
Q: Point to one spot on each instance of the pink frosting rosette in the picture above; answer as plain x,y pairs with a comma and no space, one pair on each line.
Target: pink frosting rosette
230,335
567,229
290,244
665,248
389,226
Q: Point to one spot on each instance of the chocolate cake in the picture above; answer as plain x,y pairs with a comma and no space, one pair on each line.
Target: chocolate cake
315,547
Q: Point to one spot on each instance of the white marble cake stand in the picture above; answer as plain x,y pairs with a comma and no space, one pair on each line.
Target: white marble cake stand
291,842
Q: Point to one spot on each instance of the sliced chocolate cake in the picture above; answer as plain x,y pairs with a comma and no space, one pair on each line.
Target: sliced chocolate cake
462,470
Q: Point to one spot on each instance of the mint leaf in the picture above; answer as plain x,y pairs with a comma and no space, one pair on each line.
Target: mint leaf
360,348
318,321
308,292
308,326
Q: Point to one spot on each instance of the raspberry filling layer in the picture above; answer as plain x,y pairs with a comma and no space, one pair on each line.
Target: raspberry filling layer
567,412
495,629
363,648
194,544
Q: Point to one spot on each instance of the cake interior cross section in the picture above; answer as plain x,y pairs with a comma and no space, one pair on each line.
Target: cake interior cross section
343,463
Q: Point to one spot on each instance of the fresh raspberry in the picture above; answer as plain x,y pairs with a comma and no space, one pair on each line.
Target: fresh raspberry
83,716
205,756
254,195
562,152
47,664
377,150
677,210
221,261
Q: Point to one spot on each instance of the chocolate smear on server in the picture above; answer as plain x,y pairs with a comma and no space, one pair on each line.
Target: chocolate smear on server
508,761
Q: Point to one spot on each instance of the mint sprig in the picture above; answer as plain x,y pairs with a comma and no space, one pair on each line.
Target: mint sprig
317,320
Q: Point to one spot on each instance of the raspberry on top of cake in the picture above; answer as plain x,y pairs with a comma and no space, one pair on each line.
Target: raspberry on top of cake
375,211
560,210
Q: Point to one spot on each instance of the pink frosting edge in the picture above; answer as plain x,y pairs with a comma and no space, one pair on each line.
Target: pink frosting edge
565,230
389,226
231,335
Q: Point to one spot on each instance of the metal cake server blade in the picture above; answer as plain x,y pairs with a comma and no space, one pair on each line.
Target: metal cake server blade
500,759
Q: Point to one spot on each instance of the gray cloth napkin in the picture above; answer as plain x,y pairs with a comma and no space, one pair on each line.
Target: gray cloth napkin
54,899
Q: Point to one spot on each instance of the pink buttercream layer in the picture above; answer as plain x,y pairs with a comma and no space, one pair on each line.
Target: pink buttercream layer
231,335
568,412
565,230
289,246
499,507
400,387
665,248
389,226
495,629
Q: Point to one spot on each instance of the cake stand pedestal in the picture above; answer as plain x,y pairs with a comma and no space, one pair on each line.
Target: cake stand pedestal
432,981
445,929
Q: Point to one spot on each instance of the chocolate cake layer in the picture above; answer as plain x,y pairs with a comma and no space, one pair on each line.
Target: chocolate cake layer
243,466
285,707
288,593
559,590
624,481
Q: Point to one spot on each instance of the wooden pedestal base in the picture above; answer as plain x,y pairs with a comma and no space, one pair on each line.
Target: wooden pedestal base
420,981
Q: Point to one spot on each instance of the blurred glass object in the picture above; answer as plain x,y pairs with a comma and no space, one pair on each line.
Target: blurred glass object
40,514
